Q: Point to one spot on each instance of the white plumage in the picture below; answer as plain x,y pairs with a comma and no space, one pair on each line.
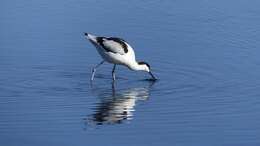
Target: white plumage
118,52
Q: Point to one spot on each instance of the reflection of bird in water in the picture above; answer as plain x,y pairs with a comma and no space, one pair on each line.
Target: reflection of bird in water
119,106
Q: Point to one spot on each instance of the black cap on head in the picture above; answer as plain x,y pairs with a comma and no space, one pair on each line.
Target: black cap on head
144,63
86,34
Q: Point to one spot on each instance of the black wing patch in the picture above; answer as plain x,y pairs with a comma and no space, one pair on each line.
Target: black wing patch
120,41
100,41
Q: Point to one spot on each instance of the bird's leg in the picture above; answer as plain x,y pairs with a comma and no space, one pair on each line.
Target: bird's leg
94,70
113,88
113,72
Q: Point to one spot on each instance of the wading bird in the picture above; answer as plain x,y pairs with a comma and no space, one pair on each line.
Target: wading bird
118,52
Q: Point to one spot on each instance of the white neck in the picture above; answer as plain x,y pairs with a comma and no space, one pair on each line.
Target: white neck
136,66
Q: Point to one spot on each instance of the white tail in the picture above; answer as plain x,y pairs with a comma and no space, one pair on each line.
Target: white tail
91,37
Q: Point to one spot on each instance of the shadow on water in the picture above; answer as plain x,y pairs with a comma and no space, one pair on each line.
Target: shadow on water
116,105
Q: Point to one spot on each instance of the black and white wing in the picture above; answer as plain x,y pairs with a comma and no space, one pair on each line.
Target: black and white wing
114,45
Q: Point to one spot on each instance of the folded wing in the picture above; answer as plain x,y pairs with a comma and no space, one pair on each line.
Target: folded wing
114,45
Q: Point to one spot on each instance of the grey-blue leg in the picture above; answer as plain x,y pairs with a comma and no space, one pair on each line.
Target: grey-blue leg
113,72
94,70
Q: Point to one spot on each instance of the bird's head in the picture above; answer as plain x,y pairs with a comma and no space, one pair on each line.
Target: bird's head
146,67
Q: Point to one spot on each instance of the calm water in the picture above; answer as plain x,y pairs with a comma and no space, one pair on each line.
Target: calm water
206,54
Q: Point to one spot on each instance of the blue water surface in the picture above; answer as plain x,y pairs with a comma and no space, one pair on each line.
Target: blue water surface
205,53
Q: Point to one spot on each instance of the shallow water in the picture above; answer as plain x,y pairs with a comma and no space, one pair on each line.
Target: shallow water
205,54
